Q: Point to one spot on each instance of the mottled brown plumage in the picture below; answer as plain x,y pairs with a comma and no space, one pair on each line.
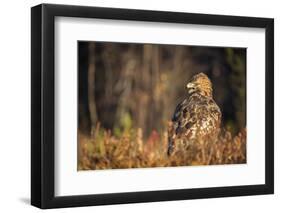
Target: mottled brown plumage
197,118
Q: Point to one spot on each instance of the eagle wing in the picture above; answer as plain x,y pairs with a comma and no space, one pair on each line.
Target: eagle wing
193,117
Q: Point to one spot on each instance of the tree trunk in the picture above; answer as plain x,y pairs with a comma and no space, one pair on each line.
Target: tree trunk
83,113
91,85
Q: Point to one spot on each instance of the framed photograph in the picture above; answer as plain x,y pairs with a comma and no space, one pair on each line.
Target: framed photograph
139,106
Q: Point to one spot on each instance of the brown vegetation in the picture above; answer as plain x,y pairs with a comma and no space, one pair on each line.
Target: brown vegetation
104,150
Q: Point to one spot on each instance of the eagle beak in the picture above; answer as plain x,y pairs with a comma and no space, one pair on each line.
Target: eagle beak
190,85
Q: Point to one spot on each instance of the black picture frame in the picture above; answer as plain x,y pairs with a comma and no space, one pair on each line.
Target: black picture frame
43,102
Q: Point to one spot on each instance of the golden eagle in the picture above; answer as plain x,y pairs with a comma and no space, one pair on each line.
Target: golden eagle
197,117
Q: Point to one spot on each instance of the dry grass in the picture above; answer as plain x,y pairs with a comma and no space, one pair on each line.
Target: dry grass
102,150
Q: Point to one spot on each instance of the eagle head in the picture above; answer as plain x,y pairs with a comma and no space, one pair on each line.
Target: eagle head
201,84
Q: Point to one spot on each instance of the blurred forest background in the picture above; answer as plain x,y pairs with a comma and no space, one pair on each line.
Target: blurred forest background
124,85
